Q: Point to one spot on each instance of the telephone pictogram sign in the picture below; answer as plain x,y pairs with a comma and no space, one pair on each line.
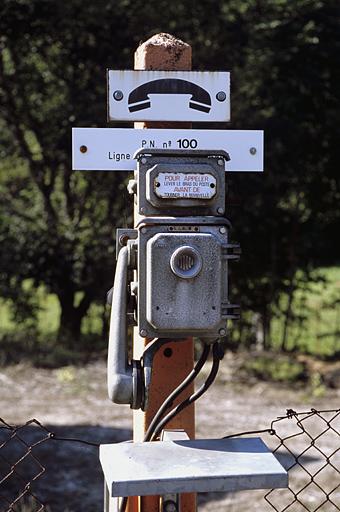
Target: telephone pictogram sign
199,97
168,96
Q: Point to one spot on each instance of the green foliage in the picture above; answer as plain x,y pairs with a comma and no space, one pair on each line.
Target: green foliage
316,386
314,327
57,226
276,368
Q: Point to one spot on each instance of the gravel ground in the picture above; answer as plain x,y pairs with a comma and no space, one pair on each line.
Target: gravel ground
72,402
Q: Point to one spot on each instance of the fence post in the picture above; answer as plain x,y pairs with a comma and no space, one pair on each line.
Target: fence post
175,360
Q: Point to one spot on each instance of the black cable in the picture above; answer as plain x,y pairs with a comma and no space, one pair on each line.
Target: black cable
270,431
176,392
217,356
123,504
73,440
169,401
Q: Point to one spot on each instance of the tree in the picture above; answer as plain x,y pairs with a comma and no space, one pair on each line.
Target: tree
59,225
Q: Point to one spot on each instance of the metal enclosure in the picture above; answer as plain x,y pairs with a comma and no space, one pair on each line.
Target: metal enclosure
185,290
172,270
195,186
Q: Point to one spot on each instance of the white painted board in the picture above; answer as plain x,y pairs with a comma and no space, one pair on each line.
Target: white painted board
168,96
112,149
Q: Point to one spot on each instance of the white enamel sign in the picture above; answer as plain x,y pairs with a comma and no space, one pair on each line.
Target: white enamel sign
112,149
168,96
175,185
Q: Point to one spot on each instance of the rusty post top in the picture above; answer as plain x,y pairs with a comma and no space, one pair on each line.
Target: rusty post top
163,52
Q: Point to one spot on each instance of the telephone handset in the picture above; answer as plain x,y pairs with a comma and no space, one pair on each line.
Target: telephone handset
139,97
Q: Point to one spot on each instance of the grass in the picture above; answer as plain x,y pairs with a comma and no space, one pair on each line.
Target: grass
275,368
316,327
37,342
48,316
314,330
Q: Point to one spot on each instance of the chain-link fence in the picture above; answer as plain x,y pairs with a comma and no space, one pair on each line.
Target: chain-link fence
22,457
20,467
306,444
308,447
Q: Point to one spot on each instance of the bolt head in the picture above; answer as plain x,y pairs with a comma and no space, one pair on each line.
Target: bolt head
220,210
222,332
143,160
118,95
123,239
220,162
143,333
143,230
170,506
221,96
223,230
252,151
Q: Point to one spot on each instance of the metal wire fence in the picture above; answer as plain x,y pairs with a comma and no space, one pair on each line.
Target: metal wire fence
306,444
19,475
20,467
309,450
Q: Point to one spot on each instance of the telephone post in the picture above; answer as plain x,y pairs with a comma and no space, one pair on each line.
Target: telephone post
171,281
173,363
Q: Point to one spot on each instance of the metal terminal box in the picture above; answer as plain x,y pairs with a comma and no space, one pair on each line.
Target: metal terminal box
176,182
171,277
183,277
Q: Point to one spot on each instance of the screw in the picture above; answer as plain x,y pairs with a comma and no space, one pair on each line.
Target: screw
83,149
220,161
252,151
143,160
118,95
143,230
123,239
143,333
222,332
170,506
223,230
221,96
220,210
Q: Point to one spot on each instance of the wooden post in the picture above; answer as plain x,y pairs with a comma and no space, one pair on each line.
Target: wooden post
175,360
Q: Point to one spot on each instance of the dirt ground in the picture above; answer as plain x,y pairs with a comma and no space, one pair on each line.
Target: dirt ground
72,402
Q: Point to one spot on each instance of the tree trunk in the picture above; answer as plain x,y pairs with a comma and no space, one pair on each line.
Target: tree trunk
71,317
266,323
293,263
257,332
105,321
288,317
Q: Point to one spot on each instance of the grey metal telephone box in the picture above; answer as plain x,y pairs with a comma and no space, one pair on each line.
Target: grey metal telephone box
185,289
172,270
180,182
